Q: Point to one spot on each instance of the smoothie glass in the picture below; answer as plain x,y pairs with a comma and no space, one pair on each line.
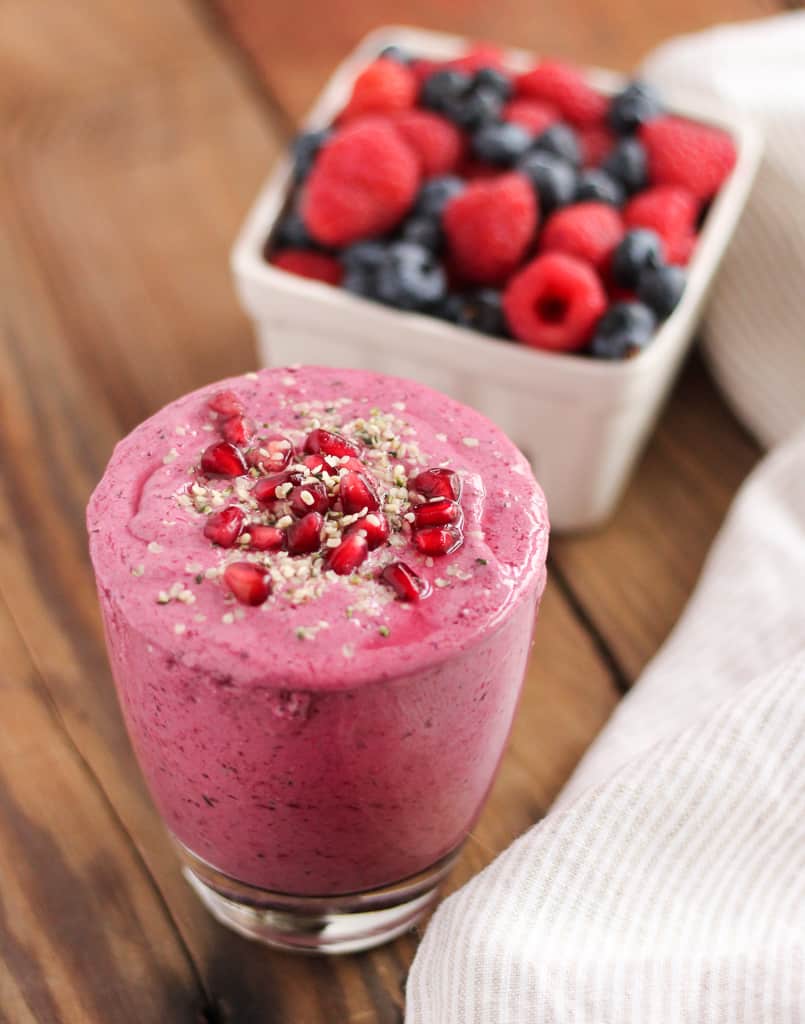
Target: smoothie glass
318,728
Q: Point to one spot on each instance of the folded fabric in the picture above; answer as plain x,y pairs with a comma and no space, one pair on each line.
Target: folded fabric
754,335
668,883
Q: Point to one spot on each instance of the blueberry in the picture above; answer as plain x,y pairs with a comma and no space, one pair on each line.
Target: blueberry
361,262
424,231
595,184
627,163
638,103
450,308
477,107
481,310
553,179
501,143
435,195
637,250
661,288
410,277
291,231
396,53
491,78
560,140
305,149
623,331
443,87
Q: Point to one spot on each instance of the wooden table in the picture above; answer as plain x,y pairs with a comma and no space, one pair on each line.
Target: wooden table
134,137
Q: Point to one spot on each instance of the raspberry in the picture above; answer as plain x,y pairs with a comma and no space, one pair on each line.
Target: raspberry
481,55
363,182
563,86
588,231
669,211
597,142
381,88
694,156
554,303
531,114
305,263
489,227
435,140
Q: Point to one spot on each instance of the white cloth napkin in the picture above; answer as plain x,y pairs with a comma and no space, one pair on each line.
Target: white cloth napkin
667,884
755,324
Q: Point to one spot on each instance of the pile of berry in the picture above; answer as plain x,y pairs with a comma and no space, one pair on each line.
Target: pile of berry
525,205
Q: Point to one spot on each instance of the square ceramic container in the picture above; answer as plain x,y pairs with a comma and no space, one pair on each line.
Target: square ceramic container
581,422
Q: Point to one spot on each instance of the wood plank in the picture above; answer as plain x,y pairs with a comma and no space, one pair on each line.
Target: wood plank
121,187
296,46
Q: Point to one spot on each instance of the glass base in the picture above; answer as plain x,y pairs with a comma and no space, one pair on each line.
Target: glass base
316,924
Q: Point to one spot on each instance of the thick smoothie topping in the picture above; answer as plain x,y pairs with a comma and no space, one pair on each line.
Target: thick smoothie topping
299,518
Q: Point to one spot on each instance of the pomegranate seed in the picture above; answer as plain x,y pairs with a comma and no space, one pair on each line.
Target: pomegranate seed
226,403
250,583
405,583
223,528
304,536
270,454
236,430
265,490
438,540
329,443
315,463
437,512
438,483
266,538
375,528
310,497
222,459
349,554
358,492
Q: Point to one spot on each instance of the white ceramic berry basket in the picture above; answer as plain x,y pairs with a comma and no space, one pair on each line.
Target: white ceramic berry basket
581,422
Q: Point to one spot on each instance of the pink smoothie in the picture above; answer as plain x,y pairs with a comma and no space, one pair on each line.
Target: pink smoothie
335,737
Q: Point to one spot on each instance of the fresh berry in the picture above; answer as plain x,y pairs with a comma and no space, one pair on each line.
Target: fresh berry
226,403
638,249
305,149
384,87
436,194
531,114
481,309
270,454
266,538
304,535
406,584
291,233
265,490
597,185
410,277
222,459
362,184
437,512
501,143
596,144
564,87
250,583
479,57
589,231
443,87
438,540
361,262
236,430
473,169
223,528
456,95
671,212
489,76
349,555
553,179
623,331
560,140
437,143
438,483
328,442
554,302
661,289
309,497
490,226
375,527
422,231
306,263
397,53
357,493
627,164
636,105
691,155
